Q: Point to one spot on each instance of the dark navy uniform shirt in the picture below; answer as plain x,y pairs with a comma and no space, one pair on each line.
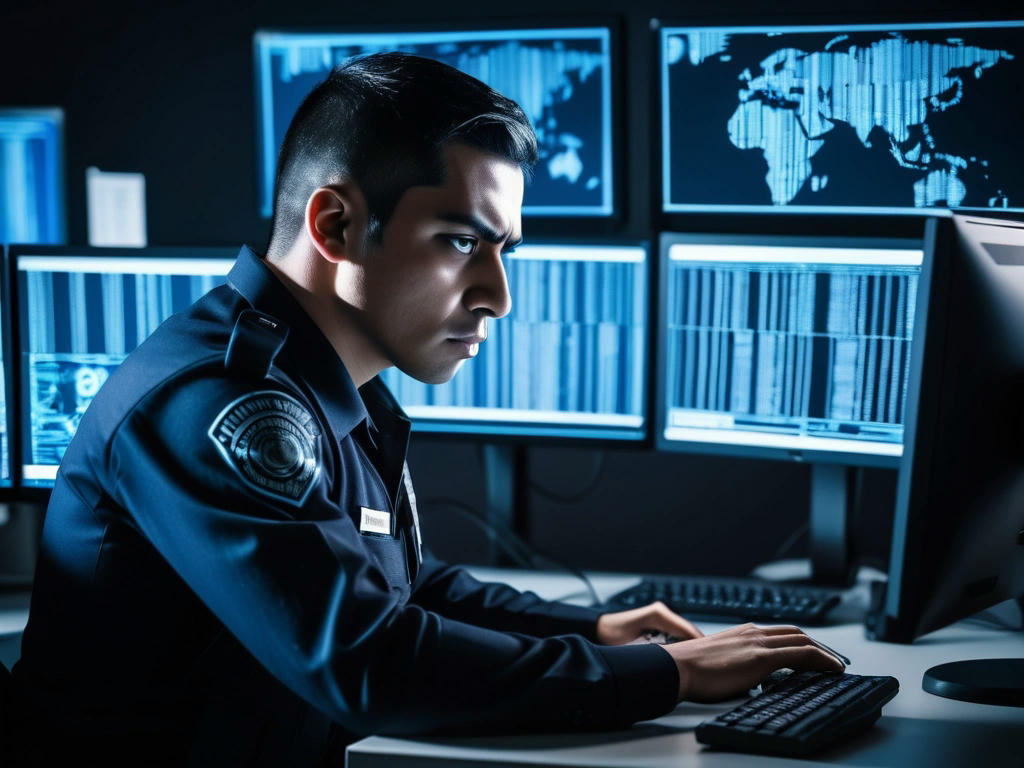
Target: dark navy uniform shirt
230,569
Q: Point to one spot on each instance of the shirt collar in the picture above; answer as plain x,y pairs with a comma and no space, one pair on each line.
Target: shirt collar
387,428
309,352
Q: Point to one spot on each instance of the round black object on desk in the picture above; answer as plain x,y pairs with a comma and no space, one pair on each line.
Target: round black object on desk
986,681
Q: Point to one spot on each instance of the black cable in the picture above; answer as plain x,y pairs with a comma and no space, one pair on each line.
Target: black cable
573,498
490,530
790,542
513,544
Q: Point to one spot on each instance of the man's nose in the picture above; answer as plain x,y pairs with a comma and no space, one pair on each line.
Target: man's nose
488,293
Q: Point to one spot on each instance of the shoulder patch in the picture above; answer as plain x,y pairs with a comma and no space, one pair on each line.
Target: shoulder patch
270,439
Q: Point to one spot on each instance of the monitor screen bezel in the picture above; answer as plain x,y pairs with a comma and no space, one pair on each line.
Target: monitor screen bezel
616,118
40,488
659,417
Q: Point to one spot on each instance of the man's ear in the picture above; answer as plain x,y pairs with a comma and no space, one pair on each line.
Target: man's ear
336,221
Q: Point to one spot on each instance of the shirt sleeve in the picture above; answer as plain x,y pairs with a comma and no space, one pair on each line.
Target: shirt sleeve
453,592
297,588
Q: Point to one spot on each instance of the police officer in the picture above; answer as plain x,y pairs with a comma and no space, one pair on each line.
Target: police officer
232,571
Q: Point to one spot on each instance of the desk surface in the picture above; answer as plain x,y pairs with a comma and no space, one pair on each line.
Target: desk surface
916,728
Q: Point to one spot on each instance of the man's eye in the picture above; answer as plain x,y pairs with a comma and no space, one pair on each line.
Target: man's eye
463,244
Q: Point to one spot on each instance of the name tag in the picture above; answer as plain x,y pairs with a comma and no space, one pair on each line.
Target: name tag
374,521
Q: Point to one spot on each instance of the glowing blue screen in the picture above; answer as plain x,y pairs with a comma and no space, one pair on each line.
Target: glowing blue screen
80,317
843,119
786,346
568,360
31,176
560,77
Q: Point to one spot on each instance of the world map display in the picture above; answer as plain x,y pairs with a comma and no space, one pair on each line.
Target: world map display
843,119
560,77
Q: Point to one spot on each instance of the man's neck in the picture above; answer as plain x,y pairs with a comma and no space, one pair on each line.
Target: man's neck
310,280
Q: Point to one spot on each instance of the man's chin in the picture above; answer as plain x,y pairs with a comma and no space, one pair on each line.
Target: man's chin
435,374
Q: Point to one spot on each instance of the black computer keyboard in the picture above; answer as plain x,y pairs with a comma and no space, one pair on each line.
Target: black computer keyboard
801,714
723,598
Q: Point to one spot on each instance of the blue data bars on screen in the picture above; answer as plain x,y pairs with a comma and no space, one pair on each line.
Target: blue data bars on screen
5,447
568,361
560,77
31,176
80,317
897,119
795,347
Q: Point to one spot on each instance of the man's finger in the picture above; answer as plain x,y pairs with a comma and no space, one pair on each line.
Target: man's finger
805,657
680,627
671,623
783,629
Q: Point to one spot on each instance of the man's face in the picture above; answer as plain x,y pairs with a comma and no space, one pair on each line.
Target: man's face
436,277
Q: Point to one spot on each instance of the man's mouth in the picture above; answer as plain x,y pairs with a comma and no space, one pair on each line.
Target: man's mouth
469,345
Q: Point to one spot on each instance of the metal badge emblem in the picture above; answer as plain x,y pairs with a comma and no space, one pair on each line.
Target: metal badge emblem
270,439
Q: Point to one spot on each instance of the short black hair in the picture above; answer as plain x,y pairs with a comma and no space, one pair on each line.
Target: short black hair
384,120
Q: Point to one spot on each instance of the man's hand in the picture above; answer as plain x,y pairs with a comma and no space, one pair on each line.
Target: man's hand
626,626
730,663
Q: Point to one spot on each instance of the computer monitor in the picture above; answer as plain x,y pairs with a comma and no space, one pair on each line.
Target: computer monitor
958,532
31,175
560,76
880,119
793,348
80,311
6,465
569,361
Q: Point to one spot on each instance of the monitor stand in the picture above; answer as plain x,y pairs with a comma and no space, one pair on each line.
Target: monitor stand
985,681
504,474
835,496
834,500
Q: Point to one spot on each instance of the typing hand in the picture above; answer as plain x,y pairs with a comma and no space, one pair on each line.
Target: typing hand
629,626
730,663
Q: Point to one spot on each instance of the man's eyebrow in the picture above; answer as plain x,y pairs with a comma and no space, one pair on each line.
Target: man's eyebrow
487,233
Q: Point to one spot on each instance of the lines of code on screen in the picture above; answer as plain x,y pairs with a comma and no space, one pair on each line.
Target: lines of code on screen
811,351
568,360
80,319
560,77
31,176
867,119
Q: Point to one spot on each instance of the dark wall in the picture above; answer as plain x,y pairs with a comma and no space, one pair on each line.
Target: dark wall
169,92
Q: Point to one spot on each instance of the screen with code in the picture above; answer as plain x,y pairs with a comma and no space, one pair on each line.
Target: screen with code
80,314
560,77
31,175
568,361
898,119
6,465
784,346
